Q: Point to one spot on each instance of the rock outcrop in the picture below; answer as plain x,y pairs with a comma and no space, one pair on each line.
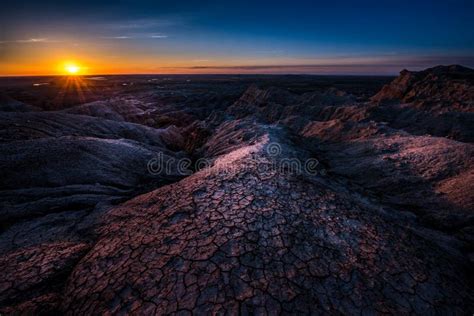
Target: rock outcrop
442,88
234,238
437,101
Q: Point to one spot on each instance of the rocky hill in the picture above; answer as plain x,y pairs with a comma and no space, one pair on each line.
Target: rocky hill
438,89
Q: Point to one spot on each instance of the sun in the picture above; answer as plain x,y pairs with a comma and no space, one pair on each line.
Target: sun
72,69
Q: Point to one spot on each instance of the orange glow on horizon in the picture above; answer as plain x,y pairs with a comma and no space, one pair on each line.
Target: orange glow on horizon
81,64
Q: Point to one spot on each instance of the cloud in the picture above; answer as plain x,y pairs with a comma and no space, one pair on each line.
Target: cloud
143,24
135,36
31,40
381,66
118,37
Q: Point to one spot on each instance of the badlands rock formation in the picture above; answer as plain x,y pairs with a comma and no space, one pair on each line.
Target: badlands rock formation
313,202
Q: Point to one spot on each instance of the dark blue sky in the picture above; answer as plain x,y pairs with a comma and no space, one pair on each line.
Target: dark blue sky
241,36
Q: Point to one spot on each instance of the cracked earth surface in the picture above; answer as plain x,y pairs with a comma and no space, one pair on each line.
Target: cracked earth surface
260,242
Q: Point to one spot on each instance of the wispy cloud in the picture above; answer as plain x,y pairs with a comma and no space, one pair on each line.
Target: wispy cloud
388,65
121,37
136,36
31,40
141,24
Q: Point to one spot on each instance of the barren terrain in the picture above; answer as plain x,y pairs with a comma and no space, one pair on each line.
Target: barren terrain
238,194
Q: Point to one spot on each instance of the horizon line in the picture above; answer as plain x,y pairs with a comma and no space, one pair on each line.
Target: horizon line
201,74
325,70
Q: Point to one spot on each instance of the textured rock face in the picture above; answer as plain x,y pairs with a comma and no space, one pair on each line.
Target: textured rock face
273,104
438,101
117,109
296,203
41,125
63,172
436,88
53,161
234,239
411,172
37,269
8,104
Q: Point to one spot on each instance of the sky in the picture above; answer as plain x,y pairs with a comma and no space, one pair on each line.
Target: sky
247,37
